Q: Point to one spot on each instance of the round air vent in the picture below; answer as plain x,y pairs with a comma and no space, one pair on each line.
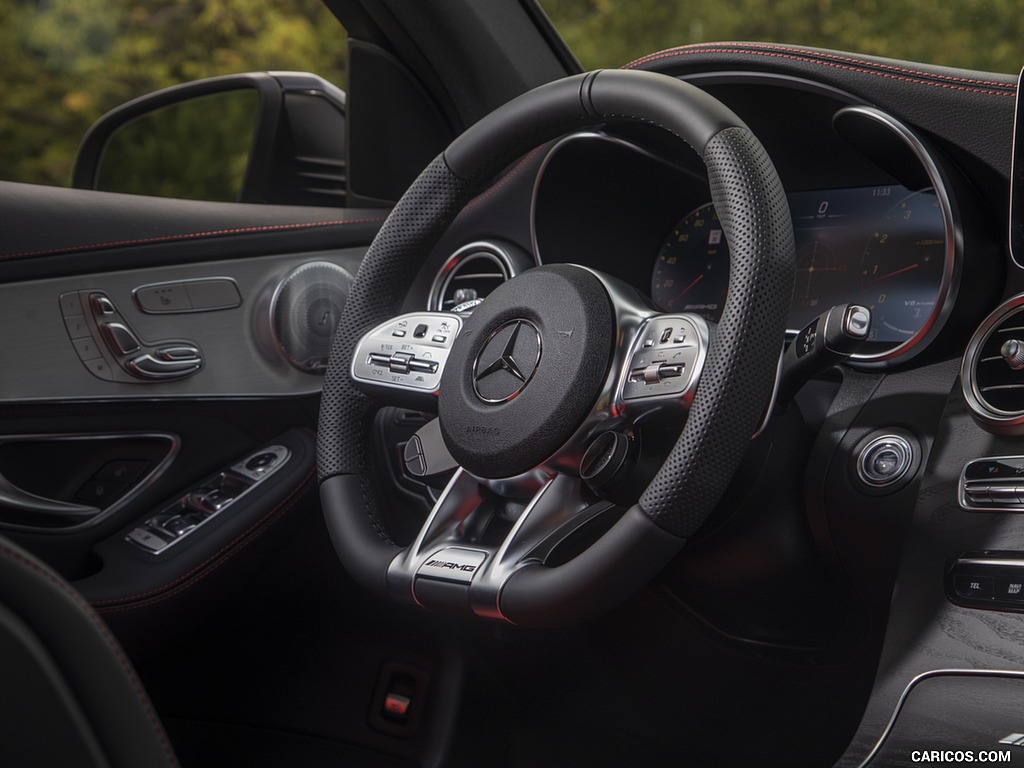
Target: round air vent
305,310
992,374
471,273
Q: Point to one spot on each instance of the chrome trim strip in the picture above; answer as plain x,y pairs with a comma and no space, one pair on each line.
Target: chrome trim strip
953,267
483,248
1007,563
769,411
922,677
1016,179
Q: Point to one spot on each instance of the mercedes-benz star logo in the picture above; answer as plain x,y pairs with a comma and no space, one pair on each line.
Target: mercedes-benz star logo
507,362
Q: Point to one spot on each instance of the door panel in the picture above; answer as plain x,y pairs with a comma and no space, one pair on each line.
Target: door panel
75,324
52,231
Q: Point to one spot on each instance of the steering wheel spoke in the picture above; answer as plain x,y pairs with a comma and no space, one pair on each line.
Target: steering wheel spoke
445,547
453,564
560,508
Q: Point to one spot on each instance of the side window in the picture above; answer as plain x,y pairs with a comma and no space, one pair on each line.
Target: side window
69,62
178,151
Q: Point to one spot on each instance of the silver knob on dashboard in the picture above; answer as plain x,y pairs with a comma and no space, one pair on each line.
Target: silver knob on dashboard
1013,353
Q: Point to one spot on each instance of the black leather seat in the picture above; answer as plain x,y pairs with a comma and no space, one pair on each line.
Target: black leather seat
69,696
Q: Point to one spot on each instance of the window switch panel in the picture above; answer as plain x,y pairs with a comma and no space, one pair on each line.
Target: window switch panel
200,504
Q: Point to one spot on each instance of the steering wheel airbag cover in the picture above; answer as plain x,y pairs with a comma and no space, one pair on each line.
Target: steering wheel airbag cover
571,312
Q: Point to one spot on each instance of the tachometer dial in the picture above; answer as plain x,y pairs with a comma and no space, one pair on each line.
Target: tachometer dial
902,267
691,273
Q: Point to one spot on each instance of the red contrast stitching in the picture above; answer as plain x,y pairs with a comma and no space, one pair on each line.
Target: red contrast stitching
191,236
228,551
114,646
505,179
950,82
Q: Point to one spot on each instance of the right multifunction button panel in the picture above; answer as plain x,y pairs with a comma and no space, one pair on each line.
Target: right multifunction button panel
993,484
666,358
111,350
192,511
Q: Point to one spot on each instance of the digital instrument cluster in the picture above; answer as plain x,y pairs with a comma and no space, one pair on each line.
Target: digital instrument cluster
883,246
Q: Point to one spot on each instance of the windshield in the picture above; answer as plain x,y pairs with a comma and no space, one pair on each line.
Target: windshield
973,34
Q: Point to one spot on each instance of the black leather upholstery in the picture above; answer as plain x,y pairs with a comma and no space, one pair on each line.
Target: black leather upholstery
68,694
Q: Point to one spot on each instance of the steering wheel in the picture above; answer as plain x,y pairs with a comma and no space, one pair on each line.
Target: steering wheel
547,366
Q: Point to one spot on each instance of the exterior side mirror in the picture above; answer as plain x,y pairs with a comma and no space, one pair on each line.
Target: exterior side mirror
260,137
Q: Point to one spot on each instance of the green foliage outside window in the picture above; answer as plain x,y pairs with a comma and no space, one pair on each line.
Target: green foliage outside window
67,62
196,149
986,35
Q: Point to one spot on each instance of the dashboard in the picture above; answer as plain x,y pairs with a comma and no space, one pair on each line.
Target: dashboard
801,561
881,218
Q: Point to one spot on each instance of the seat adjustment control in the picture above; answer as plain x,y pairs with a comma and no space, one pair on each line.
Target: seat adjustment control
167,363
112,351
119,338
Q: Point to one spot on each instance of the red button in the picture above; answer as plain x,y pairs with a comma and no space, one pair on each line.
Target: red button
397,705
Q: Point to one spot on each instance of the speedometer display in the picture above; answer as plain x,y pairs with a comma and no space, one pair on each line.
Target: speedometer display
691,273
884,247
902,265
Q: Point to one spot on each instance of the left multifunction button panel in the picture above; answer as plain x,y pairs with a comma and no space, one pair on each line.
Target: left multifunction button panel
111,350
192,511
406,353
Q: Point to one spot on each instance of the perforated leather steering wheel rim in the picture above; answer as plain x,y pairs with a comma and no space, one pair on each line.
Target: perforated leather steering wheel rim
738,374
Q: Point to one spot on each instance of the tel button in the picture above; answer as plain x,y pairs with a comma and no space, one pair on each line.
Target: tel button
973,587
